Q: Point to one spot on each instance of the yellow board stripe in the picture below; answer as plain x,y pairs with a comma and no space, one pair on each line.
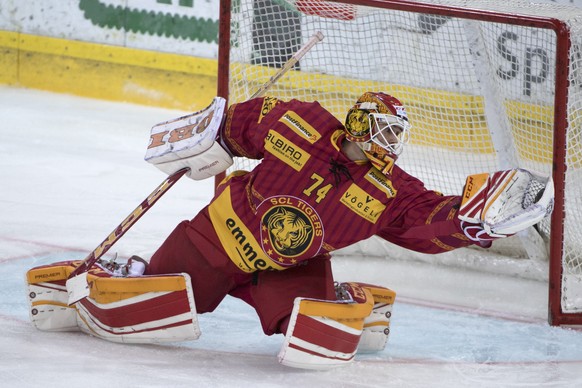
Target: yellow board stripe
107,72
117,55
449,119
9,39
124,74
326,84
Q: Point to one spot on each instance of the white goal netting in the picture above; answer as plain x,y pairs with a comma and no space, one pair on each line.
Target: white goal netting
481,96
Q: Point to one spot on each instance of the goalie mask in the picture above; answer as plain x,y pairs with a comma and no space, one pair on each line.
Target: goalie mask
379,125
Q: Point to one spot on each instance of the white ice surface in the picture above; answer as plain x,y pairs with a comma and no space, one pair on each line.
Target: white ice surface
71,169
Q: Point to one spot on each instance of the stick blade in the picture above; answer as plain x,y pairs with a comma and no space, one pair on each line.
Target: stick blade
77,288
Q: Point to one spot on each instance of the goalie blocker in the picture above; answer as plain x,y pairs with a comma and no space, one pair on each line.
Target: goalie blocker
190,142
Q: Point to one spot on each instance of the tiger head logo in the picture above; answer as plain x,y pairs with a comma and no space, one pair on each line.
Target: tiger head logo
358,124
291,230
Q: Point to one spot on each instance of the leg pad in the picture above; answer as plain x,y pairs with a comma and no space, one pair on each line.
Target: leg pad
143,309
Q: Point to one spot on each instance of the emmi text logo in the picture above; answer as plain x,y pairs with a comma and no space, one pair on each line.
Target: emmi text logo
247,252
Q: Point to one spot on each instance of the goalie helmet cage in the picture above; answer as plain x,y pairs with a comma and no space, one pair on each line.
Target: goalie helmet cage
488,85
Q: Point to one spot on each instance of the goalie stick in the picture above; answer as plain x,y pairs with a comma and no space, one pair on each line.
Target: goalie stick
77,284
315,38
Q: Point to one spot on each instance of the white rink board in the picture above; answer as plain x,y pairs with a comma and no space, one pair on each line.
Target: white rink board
82,20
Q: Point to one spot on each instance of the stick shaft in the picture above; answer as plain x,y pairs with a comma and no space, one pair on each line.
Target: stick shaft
128,222
316,38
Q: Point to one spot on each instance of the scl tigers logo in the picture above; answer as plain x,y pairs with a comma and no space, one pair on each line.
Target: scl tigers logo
290,229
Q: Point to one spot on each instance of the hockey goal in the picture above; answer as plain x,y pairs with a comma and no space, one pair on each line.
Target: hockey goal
486,88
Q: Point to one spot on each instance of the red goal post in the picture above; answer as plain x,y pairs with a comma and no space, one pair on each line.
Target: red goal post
493,86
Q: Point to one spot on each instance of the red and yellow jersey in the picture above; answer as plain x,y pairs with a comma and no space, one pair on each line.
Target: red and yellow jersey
307,198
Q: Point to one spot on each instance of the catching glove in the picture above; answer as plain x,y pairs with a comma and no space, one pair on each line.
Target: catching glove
503,203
